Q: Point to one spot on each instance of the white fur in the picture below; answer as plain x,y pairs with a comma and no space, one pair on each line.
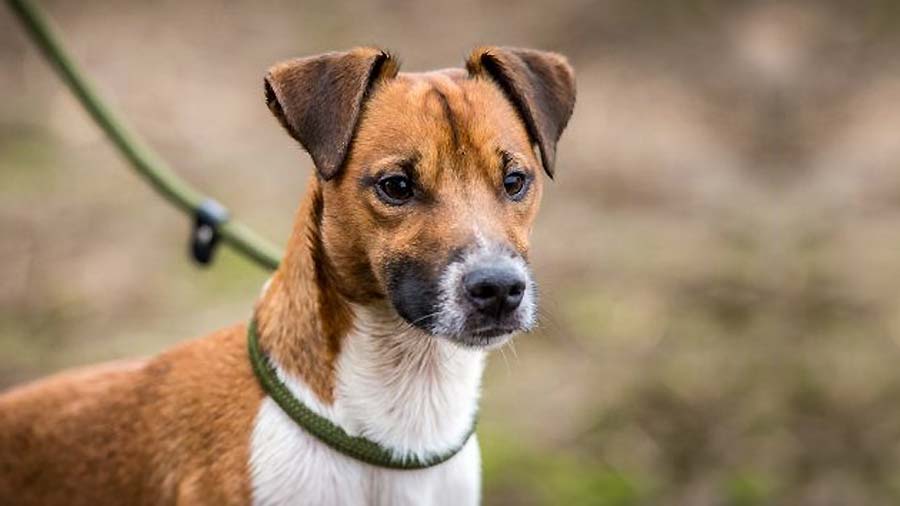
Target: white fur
413,393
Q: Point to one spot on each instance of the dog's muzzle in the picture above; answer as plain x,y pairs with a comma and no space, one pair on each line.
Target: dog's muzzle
479,298
484,297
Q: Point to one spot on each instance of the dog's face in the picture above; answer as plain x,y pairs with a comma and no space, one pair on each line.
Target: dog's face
432,200
439,193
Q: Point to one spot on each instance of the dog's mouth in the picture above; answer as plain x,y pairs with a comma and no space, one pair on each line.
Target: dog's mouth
486,338
473,333
493,332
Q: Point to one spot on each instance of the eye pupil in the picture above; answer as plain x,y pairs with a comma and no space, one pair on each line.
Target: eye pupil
514,183
397,189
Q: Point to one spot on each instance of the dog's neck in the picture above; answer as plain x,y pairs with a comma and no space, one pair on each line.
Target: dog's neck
360,365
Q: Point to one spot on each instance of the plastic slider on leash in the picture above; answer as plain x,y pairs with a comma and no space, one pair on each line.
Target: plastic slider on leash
210,215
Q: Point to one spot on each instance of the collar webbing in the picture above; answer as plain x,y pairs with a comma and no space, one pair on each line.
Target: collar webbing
323,429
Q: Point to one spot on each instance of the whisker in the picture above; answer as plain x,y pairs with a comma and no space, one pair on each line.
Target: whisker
505,361
429,315
512,347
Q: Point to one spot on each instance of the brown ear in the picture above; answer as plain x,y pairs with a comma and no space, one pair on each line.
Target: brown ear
540,84
318,100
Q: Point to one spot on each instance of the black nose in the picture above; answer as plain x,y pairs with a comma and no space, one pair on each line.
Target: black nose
494,291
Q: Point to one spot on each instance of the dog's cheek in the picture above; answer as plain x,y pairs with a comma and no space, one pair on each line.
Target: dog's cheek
412,290
359,281
348,251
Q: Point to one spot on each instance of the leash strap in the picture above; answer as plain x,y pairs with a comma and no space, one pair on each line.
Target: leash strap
143,159
323,429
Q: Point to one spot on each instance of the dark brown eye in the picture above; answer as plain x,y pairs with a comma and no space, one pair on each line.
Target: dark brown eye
515,184
395,190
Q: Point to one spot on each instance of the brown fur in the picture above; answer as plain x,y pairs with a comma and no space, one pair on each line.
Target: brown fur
318,99
176,429
541,85
301,316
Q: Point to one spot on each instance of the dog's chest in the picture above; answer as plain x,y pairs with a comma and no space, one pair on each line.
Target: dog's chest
290,467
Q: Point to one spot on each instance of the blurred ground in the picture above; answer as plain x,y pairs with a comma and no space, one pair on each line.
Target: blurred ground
718,255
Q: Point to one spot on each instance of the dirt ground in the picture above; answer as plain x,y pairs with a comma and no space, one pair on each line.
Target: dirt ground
719,255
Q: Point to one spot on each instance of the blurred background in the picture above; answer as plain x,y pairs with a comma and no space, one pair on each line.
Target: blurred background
719,254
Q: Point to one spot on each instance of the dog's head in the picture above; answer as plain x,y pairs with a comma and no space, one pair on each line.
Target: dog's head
430,182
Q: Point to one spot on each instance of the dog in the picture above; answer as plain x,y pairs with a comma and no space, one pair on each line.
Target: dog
406,264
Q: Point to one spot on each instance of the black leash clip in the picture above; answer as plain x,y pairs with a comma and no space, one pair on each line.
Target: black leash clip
205,235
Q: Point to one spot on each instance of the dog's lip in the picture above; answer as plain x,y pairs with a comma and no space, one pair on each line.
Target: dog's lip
492,331
485,337
483,332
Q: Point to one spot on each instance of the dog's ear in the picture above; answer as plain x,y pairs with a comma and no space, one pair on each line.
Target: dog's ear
541,86
318,100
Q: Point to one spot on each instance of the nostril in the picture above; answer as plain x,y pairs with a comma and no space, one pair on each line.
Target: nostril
483,290
517,289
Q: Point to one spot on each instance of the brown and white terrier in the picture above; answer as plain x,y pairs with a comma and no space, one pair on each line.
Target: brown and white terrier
408,260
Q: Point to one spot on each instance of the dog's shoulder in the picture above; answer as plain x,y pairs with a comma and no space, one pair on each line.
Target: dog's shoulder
171,427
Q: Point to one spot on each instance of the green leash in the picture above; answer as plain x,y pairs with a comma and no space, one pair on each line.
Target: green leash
323,429
144,160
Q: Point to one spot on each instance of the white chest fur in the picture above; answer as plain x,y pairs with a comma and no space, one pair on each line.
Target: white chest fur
411,393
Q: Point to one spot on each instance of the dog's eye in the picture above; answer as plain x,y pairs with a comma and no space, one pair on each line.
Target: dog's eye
395,190
515,184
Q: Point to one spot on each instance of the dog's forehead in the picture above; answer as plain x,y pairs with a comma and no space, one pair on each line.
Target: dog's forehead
446,116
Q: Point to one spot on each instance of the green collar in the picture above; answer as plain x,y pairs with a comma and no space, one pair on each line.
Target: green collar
323,429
